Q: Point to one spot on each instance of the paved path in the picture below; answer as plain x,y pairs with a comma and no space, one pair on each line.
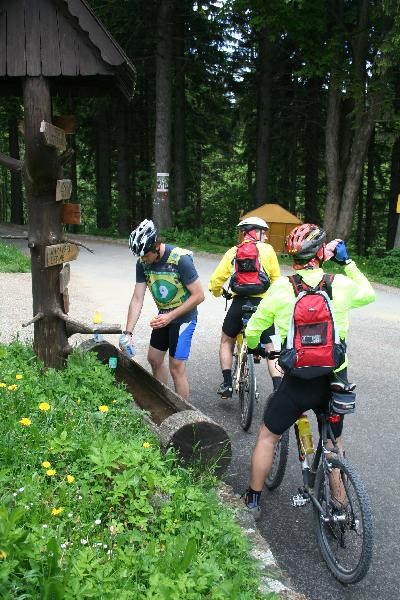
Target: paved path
104,281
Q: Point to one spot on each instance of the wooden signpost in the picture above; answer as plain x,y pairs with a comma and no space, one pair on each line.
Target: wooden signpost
63,189
53,136
60,253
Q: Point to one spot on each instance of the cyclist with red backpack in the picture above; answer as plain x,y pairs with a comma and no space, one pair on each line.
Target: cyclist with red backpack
251,267
311,311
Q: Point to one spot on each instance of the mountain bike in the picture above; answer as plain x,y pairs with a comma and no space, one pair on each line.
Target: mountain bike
243,372
341,507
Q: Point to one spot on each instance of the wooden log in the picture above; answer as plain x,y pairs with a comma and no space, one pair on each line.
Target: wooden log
176,422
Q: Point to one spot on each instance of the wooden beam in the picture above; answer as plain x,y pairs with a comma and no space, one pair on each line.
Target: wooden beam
10,163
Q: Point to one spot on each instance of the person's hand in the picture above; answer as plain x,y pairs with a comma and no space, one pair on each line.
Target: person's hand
161,320
336,250
226,294
260,350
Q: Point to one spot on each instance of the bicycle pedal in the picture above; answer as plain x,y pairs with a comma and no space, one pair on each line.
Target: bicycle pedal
299,500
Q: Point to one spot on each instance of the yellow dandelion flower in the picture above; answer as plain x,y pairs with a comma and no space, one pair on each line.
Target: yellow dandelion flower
103,408
146,445
2,384
25,422
57,511
46,464
19,376
78,401
3,554
51,472
12,387
45,406
70,478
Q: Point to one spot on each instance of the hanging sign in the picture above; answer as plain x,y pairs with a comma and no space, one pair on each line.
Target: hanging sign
53,136
162,182
60,253
63,189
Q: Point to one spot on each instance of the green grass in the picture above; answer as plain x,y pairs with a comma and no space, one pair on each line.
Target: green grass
89,505
12,260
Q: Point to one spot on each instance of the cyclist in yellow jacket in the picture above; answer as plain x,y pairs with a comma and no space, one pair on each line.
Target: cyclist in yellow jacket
254,229
295,396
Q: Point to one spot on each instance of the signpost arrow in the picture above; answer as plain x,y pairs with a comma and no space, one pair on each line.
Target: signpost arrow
60,253
53,136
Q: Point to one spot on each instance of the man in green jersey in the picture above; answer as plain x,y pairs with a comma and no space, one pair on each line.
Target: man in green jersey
170,275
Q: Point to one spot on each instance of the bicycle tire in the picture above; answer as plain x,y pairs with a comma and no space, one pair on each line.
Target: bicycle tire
247,392
345,546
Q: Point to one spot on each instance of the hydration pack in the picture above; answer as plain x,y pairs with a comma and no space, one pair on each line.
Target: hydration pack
313,347
249,277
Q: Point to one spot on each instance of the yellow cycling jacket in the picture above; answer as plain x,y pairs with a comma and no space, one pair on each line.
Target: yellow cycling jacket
348,291
225,268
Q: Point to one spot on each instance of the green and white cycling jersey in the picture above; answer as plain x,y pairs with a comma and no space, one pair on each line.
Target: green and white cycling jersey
167,279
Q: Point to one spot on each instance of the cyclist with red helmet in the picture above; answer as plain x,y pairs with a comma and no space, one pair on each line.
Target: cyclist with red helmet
306,244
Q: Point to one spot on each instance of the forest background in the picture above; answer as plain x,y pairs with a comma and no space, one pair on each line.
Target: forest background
242,102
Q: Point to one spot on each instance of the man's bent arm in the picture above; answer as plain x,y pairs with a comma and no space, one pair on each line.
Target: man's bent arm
196,297
135,306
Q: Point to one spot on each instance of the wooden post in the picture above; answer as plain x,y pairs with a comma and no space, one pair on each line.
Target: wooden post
42,169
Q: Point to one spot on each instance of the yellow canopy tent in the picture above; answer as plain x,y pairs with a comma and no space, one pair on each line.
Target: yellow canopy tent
280,222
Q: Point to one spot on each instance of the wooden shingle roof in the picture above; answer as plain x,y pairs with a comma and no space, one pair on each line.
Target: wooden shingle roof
60,39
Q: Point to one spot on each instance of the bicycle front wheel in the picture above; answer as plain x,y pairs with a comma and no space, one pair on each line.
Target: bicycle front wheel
247,391
344,528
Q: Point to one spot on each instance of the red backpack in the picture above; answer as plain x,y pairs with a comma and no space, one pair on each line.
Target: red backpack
248,277
313,347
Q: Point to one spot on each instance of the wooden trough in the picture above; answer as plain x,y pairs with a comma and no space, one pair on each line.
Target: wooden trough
176,422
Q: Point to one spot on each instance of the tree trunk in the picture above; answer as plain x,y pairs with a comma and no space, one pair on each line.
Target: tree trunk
353,174
122,168
179,111
161,201
332,161
393,217
17,206
369,200
311,152
263,116
41,173
103,170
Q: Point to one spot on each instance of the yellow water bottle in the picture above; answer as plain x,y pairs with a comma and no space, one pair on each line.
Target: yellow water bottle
97,320
305,435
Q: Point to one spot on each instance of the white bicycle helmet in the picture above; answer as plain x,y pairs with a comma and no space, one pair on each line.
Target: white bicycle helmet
253,223
142,238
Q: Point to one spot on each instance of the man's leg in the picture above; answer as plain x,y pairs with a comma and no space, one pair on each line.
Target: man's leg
178,372
158,368
226,356
273,369
261,460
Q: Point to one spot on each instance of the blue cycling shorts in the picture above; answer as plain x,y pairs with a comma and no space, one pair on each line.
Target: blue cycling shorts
175,337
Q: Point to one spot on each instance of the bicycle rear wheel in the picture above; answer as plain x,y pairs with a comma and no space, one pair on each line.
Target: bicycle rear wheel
247,391
344,529
279,462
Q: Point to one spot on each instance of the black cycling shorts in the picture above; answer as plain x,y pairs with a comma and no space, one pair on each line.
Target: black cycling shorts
175,337
233,323
295,396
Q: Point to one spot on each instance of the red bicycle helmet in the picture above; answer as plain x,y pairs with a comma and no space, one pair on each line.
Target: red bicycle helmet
306,242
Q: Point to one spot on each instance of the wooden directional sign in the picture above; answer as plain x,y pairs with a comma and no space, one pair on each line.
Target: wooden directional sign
66,301
53,136
60,253
63,189
64,276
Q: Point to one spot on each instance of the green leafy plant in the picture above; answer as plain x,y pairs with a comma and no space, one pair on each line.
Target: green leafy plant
12,260
89,505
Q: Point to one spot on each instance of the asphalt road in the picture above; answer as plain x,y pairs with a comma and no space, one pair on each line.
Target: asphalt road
104,281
